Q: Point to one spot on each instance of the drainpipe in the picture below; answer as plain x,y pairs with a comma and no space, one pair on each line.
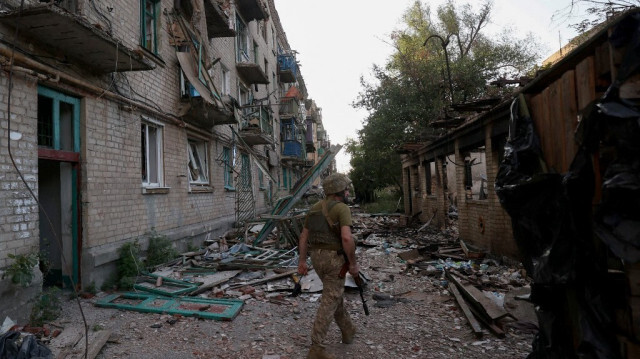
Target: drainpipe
32,67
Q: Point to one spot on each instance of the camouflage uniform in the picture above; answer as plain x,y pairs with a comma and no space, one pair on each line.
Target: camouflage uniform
327,264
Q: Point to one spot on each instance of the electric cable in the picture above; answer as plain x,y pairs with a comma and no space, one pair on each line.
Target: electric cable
13,162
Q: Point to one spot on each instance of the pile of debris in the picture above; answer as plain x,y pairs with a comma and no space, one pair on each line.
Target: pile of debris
493,292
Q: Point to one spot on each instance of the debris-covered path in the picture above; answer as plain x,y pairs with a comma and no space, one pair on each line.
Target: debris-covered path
413,314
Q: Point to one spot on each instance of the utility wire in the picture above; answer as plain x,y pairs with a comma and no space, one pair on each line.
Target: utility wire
13,162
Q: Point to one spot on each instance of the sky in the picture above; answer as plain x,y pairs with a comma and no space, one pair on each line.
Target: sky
339,41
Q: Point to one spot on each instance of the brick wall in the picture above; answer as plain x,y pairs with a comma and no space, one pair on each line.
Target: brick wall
482,223
18,209
114,208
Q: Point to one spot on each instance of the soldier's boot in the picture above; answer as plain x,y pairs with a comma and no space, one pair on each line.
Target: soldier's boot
318,352
348,332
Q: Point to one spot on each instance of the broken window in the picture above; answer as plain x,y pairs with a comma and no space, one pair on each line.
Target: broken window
429,173
150,11
242,41
151,146
58,120
226,81
187,90
227,159
261,179
475,174
198,164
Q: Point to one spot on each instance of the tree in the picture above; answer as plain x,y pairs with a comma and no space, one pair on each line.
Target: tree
414,89
598,11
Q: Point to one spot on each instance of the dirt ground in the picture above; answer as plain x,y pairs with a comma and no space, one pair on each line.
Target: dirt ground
420,320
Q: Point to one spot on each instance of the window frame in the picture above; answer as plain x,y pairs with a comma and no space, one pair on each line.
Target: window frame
145,154
201,158
242,40
225,81
227,161
154,18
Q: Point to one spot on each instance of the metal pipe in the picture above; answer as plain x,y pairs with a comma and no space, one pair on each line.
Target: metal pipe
31,64
444,44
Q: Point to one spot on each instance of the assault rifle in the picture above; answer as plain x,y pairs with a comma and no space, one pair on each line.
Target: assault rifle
359,282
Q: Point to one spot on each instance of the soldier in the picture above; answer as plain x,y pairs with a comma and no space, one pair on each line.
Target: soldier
327,235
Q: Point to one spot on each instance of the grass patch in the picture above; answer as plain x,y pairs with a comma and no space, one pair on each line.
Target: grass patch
387,200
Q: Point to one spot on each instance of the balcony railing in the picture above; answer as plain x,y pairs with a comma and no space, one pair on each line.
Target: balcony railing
289,107
256,127
287,68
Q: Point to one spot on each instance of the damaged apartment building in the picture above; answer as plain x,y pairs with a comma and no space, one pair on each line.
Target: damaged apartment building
119,118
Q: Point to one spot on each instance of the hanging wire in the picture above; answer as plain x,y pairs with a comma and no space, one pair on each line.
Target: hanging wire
33,195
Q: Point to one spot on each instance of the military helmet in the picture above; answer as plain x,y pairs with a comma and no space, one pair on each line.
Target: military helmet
335,183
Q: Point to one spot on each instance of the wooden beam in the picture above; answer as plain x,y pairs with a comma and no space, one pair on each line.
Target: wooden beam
475,326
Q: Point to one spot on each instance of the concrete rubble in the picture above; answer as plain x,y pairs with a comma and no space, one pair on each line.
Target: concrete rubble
410,271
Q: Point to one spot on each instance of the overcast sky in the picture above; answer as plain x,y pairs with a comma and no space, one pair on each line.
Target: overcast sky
339,41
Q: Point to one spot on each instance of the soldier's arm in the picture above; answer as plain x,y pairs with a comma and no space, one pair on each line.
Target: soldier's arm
349,247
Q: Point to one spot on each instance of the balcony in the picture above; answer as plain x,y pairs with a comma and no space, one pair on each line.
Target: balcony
287,68
201,106
250,71
256,127
201,113
218,22
73,37
251,9
310,143
289,107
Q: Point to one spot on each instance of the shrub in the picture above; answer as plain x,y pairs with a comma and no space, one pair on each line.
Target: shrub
46,307
21,270
160,250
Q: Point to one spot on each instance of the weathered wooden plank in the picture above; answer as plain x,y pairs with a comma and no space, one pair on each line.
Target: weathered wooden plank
545,139
475,326
585,82
557,126
570,115
479,300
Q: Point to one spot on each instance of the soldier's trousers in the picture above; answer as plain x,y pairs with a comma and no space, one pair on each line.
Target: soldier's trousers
327,264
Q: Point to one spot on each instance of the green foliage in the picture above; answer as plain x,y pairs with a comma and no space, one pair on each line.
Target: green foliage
160,250
129,264
597,11
46,307
413,89
97,327
91,288
21,270
387,200
192,247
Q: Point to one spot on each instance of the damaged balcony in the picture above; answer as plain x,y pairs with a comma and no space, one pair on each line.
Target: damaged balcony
252,73
201,106
70,36
256,126
310,143
291,138
289,107
251,9
287,68
218,21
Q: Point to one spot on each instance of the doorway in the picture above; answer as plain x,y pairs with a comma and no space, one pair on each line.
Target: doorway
58,179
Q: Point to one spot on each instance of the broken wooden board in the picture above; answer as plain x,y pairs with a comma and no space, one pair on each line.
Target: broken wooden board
483,304
217,309
475,326
264,280
210,281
